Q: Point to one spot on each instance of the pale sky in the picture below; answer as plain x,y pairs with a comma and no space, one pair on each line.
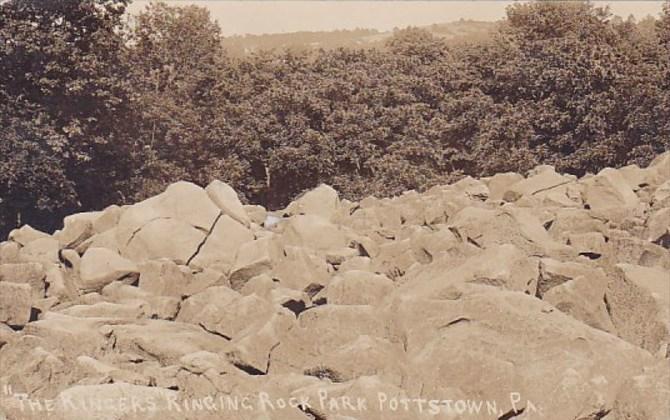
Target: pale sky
279,16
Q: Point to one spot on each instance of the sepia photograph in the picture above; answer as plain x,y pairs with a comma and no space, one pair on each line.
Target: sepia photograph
334,210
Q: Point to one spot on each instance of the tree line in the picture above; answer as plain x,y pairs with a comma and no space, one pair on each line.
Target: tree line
97,109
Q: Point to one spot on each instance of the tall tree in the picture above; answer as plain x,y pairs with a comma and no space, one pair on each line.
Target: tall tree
581,77
61,74
176,59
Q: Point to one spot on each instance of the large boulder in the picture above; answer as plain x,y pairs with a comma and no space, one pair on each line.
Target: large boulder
164,238
32,274
320,330
658,227
272,291
590,244
107,218
358,288
356,263
197,308
653,283
300,269
583,298
634,176
315,232
658,170
70,335
321,201
30,367
257,214
9,252
165,278
544,179
76,229
661,196
411,206
533,234
553,273
15,303
222,312
222,243
645,396
7,335
43,250
252,348
567,221
498,184
365,356
503,266
507,225
156,307
394,258
637,304
101,266
329,319
26,234
622,247
172,224
106,239
253,258
164,341
187,202
538,350
609,191
654,280
127,310
474,188
61,284
428,244
226,199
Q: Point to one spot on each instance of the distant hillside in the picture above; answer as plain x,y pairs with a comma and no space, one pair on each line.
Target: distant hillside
457,32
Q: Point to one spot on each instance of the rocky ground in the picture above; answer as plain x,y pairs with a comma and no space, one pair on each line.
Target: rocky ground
510,297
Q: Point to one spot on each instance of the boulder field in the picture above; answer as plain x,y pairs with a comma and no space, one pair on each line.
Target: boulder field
517,296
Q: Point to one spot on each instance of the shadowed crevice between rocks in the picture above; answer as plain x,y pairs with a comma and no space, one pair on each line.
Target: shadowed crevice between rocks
459,320
295,306
248,369
204,240
207,330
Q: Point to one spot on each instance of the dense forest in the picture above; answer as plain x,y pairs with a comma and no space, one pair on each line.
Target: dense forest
96,109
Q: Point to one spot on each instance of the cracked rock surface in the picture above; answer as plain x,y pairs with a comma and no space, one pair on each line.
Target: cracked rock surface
518,296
